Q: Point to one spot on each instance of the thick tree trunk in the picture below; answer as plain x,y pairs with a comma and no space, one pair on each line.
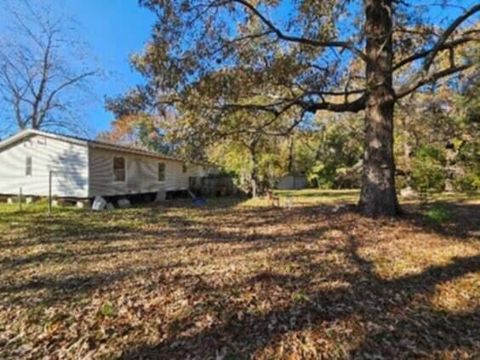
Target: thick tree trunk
378,196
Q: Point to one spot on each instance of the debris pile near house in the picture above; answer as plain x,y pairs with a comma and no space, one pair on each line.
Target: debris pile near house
82,204
197,200
218,185
99,203
161,196
124,203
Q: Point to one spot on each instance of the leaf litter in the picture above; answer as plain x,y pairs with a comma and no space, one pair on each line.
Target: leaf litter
239,281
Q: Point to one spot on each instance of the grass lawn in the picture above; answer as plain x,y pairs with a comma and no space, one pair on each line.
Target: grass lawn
240,280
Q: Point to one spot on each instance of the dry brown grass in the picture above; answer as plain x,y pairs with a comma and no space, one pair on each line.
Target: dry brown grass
237,281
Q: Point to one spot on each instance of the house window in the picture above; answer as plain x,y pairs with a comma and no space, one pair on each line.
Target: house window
161,171
184,168
119,169
28,166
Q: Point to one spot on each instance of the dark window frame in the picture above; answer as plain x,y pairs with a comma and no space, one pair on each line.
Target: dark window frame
119,172
161,171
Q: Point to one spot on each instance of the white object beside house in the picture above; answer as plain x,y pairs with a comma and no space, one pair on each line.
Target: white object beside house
83,168
99,203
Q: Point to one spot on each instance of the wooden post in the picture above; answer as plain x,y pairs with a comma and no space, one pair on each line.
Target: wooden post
50,173
20,199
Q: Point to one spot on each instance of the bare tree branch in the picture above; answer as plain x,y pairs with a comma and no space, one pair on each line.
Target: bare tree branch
38,65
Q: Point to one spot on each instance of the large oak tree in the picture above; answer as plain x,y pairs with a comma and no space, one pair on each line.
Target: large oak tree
210,58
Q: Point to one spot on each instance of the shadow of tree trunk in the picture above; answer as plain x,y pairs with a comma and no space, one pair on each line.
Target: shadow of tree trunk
369,297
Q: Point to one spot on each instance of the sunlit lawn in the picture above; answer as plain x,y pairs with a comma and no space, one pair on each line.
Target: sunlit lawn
242,279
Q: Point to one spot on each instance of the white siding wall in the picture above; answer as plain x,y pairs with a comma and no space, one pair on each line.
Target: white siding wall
176,178
68,160
141,174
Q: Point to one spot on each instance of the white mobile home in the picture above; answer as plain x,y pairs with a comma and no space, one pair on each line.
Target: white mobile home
82,168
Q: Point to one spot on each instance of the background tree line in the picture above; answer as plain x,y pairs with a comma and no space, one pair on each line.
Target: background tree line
437,142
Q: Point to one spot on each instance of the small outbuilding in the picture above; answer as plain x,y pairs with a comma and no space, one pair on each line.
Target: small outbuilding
292,182
82,168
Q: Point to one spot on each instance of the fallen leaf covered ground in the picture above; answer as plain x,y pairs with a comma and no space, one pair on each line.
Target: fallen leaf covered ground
240,280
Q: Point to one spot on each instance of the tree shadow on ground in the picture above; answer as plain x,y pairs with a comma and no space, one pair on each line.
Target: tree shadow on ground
391,317
52,290
395,316
421,330
463,219
328,195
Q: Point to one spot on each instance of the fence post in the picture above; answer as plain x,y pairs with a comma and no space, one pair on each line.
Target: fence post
50,192
20,199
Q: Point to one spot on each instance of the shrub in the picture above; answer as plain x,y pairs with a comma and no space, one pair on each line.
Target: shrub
438,215
468,183
427,171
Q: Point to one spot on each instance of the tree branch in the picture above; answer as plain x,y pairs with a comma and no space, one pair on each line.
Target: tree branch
424,80
446,34
446,46
52,95
280,34
347,106
38,96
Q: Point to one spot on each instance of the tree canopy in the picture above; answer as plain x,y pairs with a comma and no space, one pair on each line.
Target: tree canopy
304,54
209,61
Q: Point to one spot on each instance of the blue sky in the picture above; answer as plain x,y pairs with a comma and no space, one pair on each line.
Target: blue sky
113,30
